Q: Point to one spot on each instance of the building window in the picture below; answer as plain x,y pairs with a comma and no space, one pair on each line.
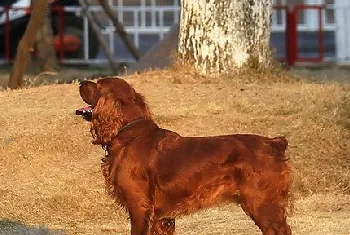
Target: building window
329,13
278,15
301,12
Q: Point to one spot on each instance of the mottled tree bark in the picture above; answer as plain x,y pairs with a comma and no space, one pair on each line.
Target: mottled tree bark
225,35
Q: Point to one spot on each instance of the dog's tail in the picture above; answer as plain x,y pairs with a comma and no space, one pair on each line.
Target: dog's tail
279,146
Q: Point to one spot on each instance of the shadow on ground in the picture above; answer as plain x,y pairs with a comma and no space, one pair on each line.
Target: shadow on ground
9,227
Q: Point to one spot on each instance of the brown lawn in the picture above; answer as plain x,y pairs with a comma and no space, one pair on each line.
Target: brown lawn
50,177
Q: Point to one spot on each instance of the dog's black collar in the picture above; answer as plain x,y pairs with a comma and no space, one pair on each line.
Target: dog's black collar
106,146
129,124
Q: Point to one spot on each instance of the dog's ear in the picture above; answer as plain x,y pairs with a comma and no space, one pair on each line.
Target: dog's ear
107,119
89,92
141,102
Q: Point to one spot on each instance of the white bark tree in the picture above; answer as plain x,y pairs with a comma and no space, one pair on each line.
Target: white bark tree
224,35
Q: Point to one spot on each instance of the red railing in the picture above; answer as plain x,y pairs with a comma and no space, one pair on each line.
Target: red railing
319,9
291,33
60,29
7,35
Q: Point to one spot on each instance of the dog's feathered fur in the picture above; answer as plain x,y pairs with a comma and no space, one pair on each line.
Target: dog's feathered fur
158,175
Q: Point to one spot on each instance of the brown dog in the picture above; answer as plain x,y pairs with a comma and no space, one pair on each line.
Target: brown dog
158,175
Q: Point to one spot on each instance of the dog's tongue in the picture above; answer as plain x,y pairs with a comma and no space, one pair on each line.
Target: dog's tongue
86,112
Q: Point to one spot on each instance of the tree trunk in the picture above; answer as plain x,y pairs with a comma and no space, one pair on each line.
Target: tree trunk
45,52
25,46
224,35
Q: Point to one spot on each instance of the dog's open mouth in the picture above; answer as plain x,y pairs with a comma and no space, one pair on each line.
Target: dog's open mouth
85,112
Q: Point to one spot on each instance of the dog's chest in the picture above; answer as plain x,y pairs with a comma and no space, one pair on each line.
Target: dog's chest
110,166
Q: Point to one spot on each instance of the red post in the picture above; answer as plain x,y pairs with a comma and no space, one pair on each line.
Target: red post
60,31
320,34
291,37
7,35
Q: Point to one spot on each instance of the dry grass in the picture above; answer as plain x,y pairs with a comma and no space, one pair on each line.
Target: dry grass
50,174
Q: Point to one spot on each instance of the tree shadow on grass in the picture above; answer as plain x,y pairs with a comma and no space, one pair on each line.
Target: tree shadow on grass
9,227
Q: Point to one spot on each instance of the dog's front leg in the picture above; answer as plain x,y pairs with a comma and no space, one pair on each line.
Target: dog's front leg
140,198
141,216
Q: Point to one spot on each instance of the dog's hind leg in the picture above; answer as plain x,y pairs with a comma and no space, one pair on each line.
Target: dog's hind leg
269,216
266,202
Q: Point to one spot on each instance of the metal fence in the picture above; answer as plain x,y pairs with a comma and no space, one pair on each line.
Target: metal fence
145,25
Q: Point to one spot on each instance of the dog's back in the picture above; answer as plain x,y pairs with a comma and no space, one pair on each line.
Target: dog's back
191,173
